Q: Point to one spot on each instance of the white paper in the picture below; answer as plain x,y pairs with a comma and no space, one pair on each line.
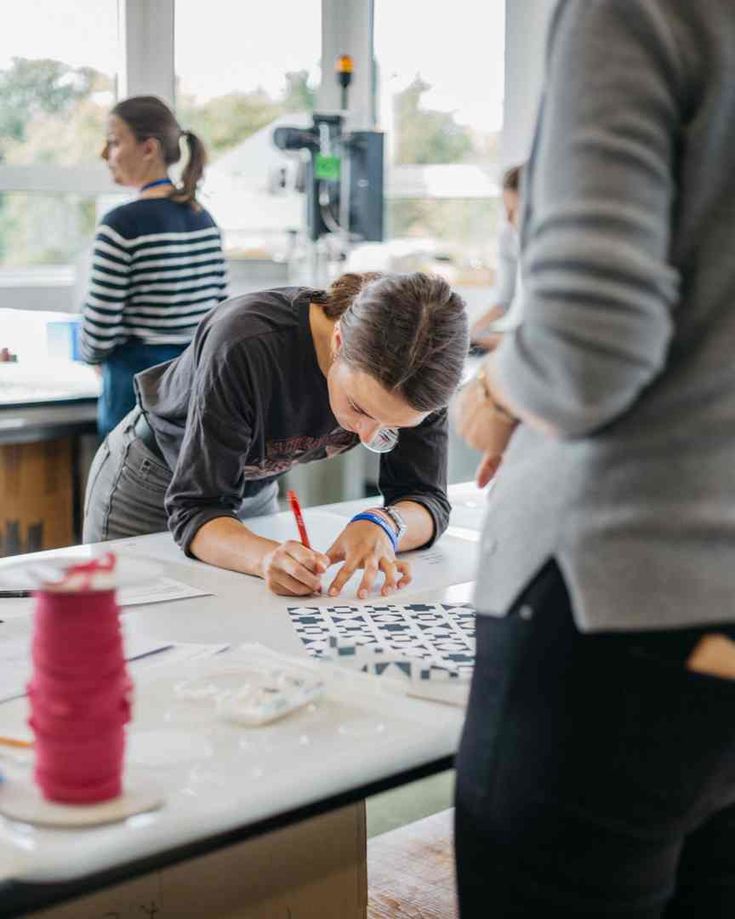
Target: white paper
469,535
161,590
177,653
15,656
52,567
322,527
469,506
15,668
450,561
470,515
15,608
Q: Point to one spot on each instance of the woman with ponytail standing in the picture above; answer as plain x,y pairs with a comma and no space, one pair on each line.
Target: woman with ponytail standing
158,266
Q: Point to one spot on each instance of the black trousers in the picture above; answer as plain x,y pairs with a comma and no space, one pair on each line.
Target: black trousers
596,775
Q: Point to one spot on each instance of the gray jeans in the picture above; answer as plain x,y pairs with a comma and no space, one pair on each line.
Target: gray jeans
127,485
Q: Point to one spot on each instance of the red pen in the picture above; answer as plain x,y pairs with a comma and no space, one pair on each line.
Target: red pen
296,509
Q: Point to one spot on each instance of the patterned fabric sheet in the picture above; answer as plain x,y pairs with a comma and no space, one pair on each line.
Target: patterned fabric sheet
435,637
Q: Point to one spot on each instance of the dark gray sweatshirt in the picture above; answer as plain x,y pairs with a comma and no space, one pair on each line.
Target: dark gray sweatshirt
247,400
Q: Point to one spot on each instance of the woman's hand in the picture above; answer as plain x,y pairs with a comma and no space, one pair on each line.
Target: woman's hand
479,423
481,333
364,545
292,570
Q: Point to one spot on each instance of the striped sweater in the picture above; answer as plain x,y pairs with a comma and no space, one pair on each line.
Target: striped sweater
157,269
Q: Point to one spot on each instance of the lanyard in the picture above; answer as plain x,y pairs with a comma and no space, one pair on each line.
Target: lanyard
166,181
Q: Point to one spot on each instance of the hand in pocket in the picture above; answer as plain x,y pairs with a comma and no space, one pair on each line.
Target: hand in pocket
713,655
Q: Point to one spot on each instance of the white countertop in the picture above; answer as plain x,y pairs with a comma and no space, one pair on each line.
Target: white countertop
218,776
54,380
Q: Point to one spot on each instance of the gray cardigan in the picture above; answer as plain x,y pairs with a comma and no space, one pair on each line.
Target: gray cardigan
627,344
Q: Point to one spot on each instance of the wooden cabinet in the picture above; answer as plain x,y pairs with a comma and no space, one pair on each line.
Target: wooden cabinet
36,495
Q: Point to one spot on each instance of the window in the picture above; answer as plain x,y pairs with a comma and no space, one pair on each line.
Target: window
440,102
232,88
57,83
44,229
56,80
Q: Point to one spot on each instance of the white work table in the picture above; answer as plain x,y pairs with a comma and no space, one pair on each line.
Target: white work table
223,783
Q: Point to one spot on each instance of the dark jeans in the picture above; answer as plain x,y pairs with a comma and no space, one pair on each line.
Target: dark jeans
596,775
118,396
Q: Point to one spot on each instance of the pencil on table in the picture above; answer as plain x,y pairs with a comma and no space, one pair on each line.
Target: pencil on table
15,742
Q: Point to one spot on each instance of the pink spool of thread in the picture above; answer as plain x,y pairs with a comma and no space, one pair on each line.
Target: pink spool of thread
80,689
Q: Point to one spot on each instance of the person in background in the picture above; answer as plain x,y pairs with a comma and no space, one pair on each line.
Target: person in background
288,376
157,266
482,336
596,773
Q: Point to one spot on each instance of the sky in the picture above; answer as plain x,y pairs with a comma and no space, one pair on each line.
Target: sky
456,46
79,32
242,44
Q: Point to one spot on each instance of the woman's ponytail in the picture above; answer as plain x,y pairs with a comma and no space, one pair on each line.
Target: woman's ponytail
193,171
337,299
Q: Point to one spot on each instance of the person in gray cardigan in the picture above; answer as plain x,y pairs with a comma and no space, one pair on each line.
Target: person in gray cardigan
596,774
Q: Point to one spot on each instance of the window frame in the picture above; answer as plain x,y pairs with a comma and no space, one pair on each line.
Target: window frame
146,65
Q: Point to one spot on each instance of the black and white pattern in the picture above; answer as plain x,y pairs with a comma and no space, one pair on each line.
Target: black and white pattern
157,269
440,637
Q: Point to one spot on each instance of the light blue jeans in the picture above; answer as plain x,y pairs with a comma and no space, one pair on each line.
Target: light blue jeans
127,485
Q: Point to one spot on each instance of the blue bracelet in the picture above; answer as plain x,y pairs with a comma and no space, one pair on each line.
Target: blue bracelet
385,527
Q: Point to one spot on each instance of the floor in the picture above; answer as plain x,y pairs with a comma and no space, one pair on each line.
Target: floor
393,809
411,871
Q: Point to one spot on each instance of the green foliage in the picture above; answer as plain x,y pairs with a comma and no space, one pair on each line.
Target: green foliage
464,230
62,140
225,121
32,89
50,113
424,135
299,96
44,229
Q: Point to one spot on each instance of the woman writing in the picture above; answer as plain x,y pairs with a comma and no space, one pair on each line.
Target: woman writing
282,377
157,265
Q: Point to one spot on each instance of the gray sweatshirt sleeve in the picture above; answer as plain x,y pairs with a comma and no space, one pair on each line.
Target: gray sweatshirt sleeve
598,287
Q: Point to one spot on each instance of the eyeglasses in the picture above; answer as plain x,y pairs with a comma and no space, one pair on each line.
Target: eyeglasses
383,441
